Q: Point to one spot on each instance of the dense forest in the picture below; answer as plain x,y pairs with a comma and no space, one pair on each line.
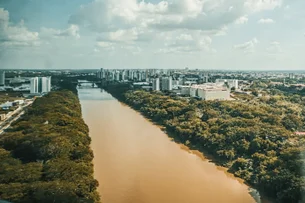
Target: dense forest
45,156
255,139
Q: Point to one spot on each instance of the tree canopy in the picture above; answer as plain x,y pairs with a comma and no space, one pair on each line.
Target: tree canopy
256,140
46,157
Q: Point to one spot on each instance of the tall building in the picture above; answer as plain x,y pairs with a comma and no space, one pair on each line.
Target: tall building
117,76
2,77
40,85
167,83
34,85
123,75
45,84
101,74
156,84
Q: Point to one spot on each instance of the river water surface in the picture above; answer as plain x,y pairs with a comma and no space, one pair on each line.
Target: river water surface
135,162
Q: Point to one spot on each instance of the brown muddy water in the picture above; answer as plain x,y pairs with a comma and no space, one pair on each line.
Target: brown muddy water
135,162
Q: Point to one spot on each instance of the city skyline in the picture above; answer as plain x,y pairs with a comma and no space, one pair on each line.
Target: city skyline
117,34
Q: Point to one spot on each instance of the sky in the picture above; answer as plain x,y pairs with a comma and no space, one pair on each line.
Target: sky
117,34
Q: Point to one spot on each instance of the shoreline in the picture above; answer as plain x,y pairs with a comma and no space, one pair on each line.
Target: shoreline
199,152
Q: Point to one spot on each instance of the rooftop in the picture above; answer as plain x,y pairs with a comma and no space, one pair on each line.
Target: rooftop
210,87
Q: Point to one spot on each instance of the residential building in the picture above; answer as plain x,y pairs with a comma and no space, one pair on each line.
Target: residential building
117,76
34,85
167,84
40,85
45,84
156,84
101,74
2,77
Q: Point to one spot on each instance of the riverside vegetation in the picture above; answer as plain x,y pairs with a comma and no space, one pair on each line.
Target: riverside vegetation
46,156
255,140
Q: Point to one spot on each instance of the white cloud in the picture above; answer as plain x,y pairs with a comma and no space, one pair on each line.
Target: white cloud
125,36
104,44
247,47
71,31
259,5
131,21
4,16
241,20
15,35
274,48
205,15
190,42
265,21
95,50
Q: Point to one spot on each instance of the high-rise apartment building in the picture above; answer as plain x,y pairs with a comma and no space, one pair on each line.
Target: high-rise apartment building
40,85
156,84
34,85
2,77
167,83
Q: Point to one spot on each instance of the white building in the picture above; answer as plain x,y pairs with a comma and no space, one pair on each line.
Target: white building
40,85
34,85
210,91
117,76
231,82
130,74
101,74
156,84
167,83
2,77
45,84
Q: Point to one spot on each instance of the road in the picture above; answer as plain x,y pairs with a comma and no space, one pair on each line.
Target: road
13,117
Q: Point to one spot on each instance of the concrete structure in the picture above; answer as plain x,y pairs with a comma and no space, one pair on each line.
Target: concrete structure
45,83
210,91
156,84
167,84
185,90
101,74
2,77
230,82
40,85
34,85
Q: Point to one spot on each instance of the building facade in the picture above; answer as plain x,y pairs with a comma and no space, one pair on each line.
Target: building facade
167,84
2,77
156,84
40,85
210,91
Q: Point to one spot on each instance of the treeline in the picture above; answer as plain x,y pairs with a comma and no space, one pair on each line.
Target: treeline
46,156
255,141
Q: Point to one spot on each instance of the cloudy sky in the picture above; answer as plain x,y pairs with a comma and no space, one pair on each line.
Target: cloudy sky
204,34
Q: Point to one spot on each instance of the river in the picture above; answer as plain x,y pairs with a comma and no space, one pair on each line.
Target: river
135,162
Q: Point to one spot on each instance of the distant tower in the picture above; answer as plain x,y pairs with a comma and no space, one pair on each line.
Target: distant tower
34,85
2,77
156,84
40,85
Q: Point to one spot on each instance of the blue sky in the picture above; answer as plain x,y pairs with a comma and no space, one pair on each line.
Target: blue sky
204,34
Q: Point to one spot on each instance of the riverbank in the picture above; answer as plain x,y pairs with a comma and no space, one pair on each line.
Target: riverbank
46,156
264,167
